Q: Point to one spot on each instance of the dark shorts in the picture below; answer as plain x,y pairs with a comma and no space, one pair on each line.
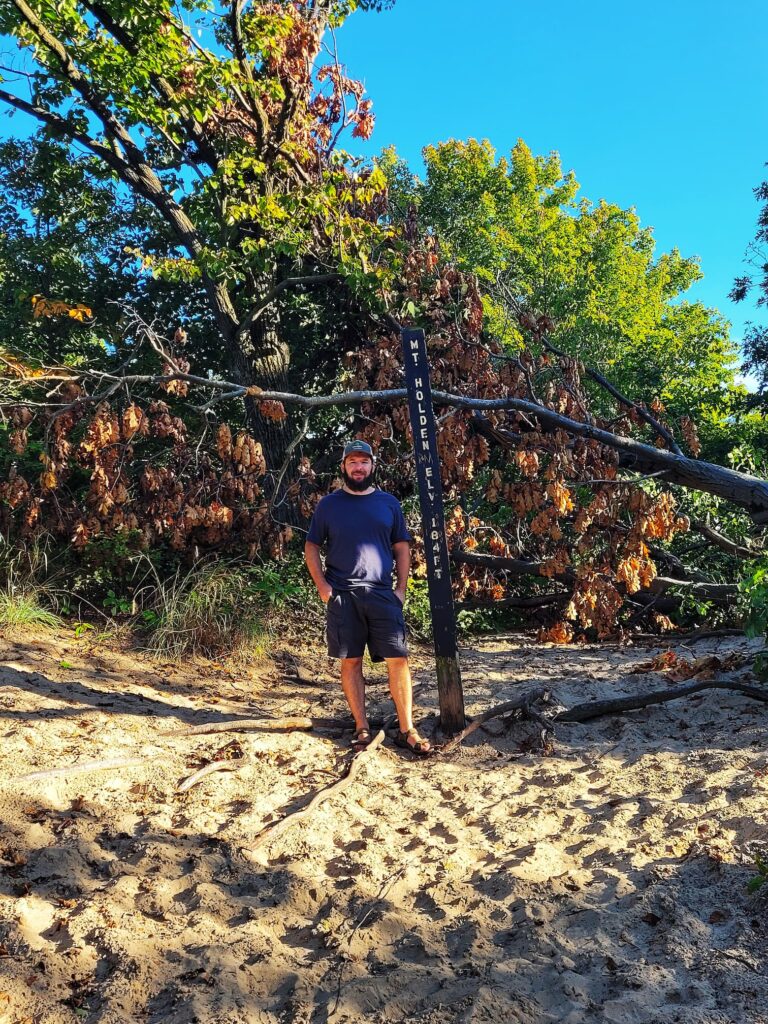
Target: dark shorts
366,615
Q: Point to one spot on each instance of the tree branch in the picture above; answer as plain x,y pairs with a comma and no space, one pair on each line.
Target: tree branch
162,85
257,109
289,282
61,125
614,391
740,488
95,103
725,543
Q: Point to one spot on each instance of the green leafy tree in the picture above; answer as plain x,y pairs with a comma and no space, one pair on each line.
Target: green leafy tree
218,120
589,270
755,285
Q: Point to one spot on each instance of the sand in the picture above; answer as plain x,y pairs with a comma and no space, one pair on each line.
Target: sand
604,880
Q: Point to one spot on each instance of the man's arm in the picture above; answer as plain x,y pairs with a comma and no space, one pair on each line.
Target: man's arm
402,552
315,566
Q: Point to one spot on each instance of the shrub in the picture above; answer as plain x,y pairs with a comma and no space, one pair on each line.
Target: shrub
208,610
24,588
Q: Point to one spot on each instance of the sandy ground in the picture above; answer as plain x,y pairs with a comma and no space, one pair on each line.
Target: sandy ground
605,880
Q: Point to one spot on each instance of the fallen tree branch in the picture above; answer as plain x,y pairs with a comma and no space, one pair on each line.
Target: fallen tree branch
719,593
740,488
519,704
243,725
612,390
701,588
208,769
598,708
725,543
92,766
282,824
534,601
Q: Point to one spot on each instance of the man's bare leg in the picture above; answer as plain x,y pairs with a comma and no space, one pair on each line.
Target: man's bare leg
353,685
401,688
402,691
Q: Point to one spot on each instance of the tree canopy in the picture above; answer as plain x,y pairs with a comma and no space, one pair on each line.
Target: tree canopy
204,291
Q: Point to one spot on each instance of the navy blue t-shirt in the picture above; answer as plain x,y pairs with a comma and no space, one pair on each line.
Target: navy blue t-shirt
358,531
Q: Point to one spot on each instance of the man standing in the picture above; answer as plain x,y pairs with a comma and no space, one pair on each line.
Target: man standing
364,532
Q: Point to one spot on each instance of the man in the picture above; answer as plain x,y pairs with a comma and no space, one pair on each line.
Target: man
364,532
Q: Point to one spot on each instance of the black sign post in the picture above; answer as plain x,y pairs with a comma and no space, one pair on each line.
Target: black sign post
449,688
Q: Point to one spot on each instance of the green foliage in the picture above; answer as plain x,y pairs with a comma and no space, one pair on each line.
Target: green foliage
755,283
417,611
26,593
273,587
539,249
208,610
21,607
755,601
106,572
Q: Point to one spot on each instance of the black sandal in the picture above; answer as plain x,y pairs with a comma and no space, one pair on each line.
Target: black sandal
361,739
419,745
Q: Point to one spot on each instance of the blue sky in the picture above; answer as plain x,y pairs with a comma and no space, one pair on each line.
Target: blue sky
662,107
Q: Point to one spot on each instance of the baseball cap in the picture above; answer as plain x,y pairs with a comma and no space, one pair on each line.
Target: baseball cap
357,447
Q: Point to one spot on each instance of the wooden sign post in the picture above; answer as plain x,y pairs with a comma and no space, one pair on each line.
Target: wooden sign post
449,689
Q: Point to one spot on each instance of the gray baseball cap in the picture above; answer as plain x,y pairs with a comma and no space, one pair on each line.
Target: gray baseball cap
357,447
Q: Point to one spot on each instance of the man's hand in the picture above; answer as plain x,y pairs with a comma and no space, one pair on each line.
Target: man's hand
315,566
400,594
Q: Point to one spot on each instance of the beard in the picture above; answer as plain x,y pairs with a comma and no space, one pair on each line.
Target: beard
357,485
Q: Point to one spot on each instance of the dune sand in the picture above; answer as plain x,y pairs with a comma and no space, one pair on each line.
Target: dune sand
604,880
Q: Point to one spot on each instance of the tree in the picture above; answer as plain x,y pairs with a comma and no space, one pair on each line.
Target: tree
222,124
539,250
756,337
242,206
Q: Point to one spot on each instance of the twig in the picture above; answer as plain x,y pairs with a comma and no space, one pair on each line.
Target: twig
242,725
274,829
215,766
92,766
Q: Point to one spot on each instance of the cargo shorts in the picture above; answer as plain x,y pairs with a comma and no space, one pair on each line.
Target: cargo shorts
365,615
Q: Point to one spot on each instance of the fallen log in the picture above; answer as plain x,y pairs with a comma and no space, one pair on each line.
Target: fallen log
618,705
523,706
